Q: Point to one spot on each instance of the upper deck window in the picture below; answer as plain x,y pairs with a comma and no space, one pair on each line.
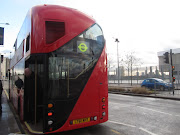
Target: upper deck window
54,31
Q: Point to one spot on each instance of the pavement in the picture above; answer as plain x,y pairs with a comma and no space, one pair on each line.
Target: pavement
8,122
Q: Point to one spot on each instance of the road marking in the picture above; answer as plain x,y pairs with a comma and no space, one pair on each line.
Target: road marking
119,104
31,130
130,126
122,124
7,95
147,131
115,131
154,110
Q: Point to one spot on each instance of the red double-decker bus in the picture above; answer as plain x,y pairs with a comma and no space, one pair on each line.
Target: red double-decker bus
59,71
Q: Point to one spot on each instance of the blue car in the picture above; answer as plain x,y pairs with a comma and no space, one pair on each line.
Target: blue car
155,83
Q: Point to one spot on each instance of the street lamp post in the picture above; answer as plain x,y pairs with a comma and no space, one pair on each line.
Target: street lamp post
116,40
9,75
10,56
5,23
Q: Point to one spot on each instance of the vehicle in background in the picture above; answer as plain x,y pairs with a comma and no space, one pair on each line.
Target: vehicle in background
156,83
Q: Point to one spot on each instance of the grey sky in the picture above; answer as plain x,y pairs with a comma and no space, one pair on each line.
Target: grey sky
143,26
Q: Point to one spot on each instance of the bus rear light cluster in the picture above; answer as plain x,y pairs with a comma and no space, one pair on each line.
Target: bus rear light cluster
50,114
50,106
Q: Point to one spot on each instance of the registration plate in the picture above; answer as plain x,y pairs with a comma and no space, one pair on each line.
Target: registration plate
83,120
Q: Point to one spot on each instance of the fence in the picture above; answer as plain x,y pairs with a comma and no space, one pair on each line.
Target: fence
138,74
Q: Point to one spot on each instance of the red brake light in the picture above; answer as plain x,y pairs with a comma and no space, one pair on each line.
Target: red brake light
50,129
50,114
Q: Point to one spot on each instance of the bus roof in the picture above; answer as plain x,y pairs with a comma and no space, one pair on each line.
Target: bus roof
75,22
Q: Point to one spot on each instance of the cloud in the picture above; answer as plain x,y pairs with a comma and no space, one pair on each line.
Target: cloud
177,41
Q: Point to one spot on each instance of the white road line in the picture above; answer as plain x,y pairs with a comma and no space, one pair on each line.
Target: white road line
177,115
118,104
121,104
132,126
147,131
121,123
155,110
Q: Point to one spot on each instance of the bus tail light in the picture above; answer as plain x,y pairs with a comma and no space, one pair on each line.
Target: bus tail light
50,122
50,129
103,114
95,118
103,99
103,107
50,113
50,105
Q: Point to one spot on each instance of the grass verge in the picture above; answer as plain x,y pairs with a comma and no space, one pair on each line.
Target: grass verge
139,90
135,90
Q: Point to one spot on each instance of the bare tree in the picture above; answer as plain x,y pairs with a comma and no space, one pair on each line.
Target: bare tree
130,61
110,63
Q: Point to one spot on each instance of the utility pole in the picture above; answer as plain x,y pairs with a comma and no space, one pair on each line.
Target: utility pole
131,68
172,69
116,40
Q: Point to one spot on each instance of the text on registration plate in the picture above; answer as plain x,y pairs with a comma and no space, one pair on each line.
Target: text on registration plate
83,120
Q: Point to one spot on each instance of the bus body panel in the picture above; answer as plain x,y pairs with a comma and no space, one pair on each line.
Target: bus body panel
75,23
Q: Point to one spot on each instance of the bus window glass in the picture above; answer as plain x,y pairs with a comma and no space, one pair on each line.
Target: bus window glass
54,31
27,43
72,64
19,74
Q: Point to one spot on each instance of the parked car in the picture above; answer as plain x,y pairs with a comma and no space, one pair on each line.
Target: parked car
156,83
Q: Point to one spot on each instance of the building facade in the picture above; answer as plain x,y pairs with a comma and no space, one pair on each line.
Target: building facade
4,68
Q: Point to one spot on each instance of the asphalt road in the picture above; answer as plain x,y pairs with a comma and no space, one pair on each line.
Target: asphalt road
130,115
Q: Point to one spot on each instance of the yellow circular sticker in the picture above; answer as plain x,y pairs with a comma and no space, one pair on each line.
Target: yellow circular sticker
82,47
